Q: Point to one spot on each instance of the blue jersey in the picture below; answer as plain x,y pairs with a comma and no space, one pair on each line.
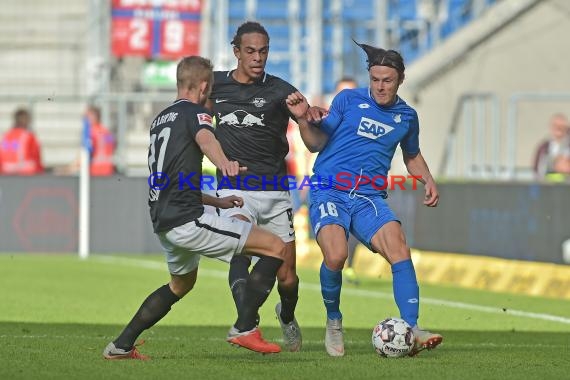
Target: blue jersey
363,137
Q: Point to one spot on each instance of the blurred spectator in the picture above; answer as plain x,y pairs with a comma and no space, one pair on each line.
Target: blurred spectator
100,143
552,158
345,83
20,151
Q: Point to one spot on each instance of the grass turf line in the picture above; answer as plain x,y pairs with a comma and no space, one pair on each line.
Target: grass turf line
58,313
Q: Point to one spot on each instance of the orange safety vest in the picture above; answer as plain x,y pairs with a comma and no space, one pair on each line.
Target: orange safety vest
103,145
20,153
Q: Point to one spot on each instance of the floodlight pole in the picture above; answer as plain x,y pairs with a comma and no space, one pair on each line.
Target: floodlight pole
97,21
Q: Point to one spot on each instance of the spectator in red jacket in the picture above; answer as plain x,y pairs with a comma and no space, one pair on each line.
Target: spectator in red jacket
20,152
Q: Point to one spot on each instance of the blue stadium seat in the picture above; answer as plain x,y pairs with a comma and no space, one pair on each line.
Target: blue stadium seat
327,76
237,9
407,10
409,51
327,40
279,68
279,36
272,9
356,19
459,12
233,24
402,9
358,9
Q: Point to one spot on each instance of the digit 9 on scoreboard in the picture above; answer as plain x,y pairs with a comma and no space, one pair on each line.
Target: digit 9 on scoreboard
179,38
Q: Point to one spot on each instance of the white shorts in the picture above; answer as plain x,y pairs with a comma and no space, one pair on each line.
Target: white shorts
209,235
271,210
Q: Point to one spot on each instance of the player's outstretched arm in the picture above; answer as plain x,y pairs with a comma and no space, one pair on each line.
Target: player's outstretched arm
213,150
418,168
313,137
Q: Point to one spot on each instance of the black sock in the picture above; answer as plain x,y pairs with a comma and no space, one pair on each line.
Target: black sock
289,297
259,285
152,310
237,278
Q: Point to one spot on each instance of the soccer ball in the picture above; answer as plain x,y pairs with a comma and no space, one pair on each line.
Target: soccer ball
393,338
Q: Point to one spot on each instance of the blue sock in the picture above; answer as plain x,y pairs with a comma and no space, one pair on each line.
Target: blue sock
331,283
406,291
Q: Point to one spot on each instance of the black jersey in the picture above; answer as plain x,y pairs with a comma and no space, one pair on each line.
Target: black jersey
175,164
251,125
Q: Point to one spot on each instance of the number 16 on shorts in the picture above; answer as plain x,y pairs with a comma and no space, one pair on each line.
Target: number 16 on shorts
326,213
328,208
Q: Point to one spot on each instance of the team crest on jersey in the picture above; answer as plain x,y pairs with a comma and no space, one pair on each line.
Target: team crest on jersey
204,119
398,118
372,129
240,119
364,105
259,102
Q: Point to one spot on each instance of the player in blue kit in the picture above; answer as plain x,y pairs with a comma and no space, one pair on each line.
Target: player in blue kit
356,140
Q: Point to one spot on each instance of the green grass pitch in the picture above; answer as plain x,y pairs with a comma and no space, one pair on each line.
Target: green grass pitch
57,313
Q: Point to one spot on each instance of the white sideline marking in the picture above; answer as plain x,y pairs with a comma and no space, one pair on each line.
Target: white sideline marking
354,292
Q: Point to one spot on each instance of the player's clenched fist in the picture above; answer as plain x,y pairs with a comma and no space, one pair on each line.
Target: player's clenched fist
232,168
297,104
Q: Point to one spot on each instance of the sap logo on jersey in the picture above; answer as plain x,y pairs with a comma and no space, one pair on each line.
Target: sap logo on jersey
372,129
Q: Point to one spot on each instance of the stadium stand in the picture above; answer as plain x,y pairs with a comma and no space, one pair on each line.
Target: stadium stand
409,29
44,54
42,46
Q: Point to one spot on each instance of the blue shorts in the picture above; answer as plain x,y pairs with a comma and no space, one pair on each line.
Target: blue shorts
362,215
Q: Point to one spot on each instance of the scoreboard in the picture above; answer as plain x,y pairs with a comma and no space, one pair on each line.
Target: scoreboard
161,29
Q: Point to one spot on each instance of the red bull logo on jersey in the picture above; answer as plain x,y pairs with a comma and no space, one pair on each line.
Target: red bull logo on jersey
259,102
240,119
372,129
